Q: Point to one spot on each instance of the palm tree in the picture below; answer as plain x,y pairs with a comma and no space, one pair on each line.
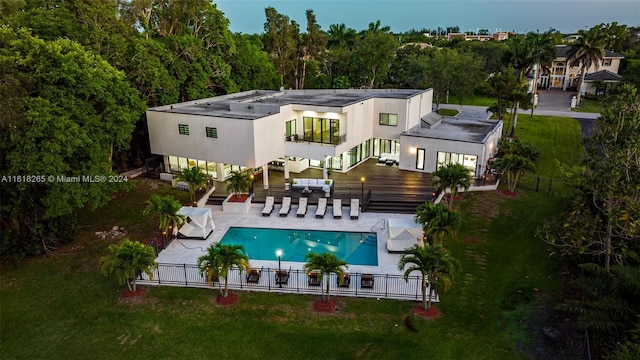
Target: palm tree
127,260
434,263
521,59
514,166
219,260
325,263
452,176
588,51
542,52
238,183
165,208
438,221
195,178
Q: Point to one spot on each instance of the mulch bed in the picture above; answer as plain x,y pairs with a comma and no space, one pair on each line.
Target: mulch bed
325,307
432,313
126,294
229,300
239,198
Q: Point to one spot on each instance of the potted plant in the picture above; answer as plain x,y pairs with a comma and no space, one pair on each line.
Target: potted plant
238,200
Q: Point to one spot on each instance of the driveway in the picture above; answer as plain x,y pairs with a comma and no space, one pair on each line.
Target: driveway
554,100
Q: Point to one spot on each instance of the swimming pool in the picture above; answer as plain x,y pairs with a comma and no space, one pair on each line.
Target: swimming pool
356,248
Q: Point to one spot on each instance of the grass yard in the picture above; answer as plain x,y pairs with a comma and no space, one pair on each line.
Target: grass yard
448,112
589,106
61,307
477,100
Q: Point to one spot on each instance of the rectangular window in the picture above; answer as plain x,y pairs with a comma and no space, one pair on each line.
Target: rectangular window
183,129
212,132
389,119
606,62
325,131
420,159
290,128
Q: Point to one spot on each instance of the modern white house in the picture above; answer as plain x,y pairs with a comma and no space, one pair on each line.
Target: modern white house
335,130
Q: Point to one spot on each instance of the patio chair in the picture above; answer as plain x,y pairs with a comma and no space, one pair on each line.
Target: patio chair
286,206
337,209
314,278
346,280
322,208
282,277
253,276
268,206
366,281
302,207
355,209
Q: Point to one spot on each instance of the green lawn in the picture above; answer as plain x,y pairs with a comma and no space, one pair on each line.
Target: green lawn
61,307
448,112
590,106
478,100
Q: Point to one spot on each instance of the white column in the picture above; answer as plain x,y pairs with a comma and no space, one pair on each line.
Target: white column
265,176
220,171
565,78
325,175
286,167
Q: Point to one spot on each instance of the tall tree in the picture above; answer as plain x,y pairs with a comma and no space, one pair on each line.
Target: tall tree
435,264
251,67
451,177
76,111
281,43
127,260
326,264
603,223
220,259
373,54
312,46
588,51
519,56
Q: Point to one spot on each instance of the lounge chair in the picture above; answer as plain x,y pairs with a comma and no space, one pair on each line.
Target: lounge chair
355,209
322,208
314,278
286,206
253,276
302,207
366,281
337,209
268,206
282,277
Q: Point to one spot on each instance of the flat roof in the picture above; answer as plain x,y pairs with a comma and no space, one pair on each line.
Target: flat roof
220,106
457,129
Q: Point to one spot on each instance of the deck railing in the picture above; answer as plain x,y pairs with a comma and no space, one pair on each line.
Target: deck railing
297,281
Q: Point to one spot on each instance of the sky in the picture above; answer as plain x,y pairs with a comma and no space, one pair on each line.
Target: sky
566,16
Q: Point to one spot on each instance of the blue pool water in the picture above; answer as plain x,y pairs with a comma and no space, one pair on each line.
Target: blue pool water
261,244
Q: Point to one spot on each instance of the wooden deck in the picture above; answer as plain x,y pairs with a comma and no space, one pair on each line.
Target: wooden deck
383,183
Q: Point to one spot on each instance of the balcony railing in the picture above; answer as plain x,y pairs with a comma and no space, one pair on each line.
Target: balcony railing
294,281
300,139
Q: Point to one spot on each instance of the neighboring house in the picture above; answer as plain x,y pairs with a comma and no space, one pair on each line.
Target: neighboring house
564,76
497,36
330,129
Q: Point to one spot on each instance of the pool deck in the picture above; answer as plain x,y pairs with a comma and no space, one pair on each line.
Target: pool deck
182,251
